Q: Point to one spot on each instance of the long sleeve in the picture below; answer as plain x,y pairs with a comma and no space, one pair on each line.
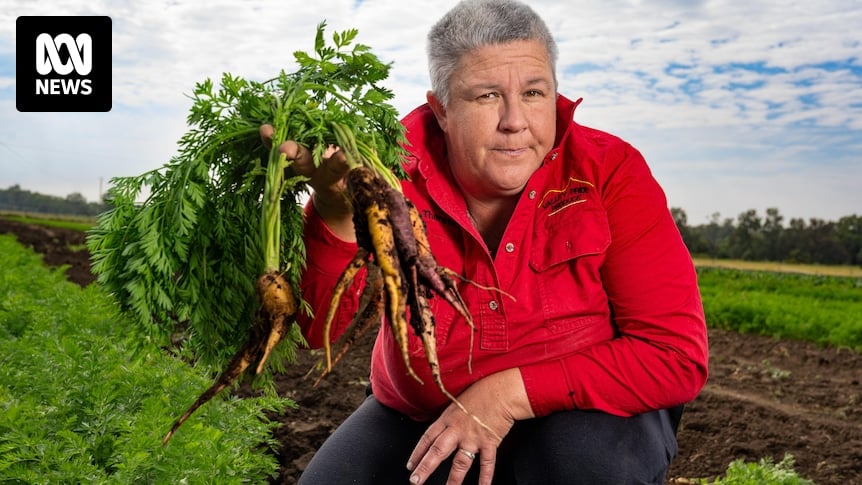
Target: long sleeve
326,257
659,358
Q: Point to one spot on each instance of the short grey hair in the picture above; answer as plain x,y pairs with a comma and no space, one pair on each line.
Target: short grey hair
472,24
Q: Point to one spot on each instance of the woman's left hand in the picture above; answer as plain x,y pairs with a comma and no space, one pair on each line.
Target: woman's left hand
497,401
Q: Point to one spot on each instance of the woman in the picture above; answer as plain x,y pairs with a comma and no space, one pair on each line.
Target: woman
590,331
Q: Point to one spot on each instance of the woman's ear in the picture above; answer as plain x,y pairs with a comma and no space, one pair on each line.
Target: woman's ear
438,109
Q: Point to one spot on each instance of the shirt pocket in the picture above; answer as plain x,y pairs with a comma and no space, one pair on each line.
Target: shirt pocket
567,255
562,239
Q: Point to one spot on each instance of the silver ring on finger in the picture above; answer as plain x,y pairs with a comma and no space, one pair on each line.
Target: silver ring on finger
468,454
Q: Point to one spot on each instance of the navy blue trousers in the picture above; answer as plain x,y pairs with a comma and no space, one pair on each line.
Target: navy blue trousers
565,448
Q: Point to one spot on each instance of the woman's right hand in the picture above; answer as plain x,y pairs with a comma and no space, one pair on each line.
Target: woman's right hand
329,194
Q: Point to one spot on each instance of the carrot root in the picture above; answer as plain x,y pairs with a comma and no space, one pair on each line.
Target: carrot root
278,309
390,230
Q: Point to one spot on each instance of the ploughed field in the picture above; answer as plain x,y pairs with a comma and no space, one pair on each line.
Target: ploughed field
765,397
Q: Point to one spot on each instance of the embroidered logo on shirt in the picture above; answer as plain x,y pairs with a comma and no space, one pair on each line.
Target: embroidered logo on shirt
427,215
575,192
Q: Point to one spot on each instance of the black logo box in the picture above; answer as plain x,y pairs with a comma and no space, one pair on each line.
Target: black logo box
99,97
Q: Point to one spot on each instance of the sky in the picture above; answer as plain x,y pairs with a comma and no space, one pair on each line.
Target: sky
736,105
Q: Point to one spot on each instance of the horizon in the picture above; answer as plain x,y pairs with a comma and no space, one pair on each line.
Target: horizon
722,217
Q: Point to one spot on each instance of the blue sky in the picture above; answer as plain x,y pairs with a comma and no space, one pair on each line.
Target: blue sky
735,105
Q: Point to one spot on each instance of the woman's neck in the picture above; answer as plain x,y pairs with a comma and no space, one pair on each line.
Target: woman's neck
490,218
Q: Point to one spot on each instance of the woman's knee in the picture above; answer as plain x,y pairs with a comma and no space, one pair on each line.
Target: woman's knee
364,449
592,447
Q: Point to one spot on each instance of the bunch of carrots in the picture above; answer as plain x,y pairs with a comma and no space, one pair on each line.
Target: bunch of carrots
227,206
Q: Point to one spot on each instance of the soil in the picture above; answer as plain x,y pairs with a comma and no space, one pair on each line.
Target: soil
765,397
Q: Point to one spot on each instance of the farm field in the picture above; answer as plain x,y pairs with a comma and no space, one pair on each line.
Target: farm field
766,397
810,269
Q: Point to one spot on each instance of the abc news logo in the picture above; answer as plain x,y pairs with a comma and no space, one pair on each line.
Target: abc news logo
63,64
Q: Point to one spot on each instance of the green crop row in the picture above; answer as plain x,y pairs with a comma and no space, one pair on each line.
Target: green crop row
77,405
822,309
764,472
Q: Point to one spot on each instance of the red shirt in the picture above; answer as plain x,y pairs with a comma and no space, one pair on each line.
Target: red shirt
591,294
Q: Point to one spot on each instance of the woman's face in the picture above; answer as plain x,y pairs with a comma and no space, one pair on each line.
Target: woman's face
501,118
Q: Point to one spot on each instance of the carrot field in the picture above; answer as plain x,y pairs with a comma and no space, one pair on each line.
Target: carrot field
792,303
86,399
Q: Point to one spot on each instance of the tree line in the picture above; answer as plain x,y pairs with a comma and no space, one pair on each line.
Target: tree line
766,238
750,236
16,199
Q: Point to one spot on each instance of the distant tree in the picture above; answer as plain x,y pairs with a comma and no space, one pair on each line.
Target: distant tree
826,248
679,216
766,238
16,199
712,239
747,241
693,239
681,220
76,198
848,230
799,243
773,232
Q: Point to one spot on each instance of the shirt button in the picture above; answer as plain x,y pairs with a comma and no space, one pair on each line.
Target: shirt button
554,155
510,247
492,305
532,194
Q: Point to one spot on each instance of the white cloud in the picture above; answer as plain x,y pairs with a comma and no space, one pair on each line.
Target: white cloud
736,104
